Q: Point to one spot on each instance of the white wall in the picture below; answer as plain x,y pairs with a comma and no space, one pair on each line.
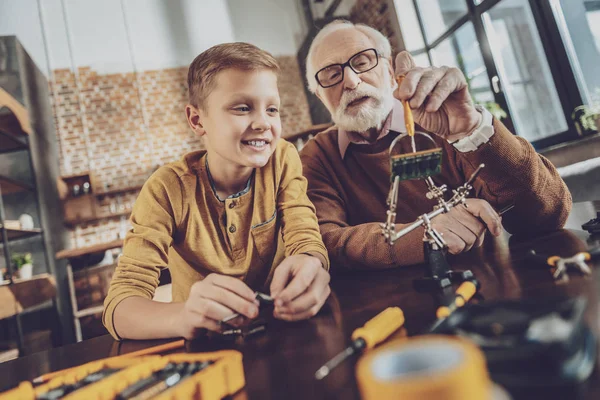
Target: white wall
97,34
116,35
277,26
21,18
168,33
344,8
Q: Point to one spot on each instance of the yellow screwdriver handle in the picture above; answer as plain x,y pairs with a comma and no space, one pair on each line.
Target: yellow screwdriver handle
380,327
409,121
463,294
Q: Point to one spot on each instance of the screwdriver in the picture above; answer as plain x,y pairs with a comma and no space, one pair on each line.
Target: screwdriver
463,294
375,331
409,121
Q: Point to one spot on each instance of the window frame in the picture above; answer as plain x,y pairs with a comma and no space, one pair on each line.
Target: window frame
554,51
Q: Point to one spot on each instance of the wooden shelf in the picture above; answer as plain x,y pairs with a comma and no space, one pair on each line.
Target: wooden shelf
9,186
89,249
17,118
17,234
97,218
8,354
10,143
25,293
89,311
117,191
80,175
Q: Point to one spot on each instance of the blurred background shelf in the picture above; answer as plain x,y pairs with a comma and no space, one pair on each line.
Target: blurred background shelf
29,308
118,190
10,142
22,294
18,234
10,186
97,218
81,251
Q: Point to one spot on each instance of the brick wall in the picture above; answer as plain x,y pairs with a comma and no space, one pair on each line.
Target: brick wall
379,15
121,127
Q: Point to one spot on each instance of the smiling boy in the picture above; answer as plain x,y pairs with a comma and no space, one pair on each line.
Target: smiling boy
225,221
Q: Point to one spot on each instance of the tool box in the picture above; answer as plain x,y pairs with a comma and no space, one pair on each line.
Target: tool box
222,377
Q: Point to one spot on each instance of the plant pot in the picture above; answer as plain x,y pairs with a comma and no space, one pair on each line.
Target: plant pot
26,271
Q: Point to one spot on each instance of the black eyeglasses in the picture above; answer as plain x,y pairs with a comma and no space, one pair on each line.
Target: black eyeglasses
361,62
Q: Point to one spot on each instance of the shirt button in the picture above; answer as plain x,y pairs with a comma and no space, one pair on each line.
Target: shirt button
231,205
232,229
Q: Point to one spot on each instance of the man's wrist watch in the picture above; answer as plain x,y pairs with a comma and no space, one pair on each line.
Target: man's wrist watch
481,134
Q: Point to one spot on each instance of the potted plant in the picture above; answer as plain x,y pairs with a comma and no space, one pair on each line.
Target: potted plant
587,120
587,117
22,262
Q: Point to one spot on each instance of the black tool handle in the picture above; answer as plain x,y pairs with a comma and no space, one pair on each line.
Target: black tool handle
594,253
538,260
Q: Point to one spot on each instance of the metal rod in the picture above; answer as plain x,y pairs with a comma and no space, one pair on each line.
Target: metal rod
416,224
334,362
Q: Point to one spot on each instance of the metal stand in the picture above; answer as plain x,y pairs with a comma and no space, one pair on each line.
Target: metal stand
438,275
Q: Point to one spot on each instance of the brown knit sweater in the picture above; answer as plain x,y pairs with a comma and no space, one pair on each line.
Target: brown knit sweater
350,193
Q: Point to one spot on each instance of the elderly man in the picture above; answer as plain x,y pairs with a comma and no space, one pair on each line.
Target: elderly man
349,68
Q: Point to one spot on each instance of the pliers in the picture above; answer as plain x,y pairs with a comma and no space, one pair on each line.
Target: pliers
561,264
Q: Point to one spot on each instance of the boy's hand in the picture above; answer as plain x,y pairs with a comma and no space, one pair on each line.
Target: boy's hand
211,300
300,287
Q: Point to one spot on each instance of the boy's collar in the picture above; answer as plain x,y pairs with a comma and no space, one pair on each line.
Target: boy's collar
214,189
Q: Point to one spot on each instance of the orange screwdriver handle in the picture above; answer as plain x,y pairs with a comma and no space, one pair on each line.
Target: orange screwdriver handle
409,121
380,327
463,294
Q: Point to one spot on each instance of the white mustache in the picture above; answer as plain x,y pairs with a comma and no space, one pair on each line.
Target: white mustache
366,91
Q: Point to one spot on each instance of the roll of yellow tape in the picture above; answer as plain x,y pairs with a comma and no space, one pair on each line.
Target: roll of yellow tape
427,367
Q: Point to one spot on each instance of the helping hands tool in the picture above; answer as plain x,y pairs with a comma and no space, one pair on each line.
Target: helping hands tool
375,331
560,265
435,192
420,165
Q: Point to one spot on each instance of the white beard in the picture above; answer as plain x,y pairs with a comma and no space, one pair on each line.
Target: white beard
368,115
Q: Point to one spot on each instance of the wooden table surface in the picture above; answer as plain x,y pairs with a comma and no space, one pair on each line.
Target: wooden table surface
281,363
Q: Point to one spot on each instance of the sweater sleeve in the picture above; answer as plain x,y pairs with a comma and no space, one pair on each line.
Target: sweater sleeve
146,246
299,223
358,246
515,174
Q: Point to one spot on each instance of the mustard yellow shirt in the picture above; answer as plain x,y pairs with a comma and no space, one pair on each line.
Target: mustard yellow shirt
179,222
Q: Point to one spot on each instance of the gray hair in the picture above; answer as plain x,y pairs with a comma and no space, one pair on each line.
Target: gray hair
380,43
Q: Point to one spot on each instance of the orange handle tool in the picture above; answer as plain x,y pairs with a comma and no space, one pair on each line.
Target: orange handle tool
463,294
408,117
375,331
380,327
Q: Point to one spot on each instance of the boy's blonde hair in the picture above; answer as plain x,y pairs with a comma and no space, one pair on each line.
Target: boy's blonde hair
209,63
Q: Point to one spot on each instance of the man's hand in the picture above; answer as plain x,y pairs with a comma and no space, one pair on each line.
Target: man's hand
464,227
300,287
211,300
439,98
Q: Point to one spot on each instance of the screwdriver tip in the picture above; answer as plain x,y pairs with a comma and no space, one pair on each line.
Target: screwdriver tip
321,373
